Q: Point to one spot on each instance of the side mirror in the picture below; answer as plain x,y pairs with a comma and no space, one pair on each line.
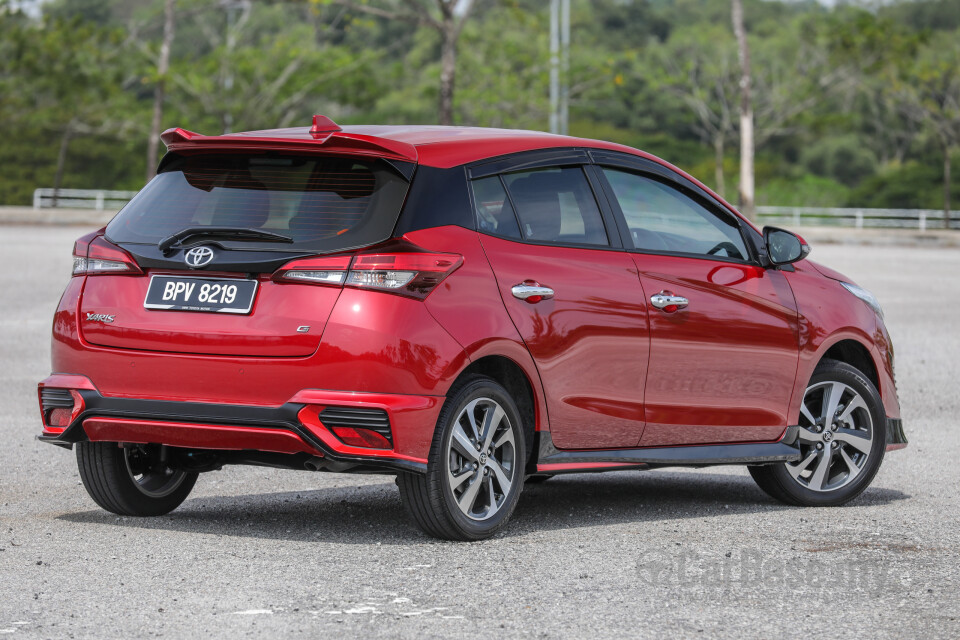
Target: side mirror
784,247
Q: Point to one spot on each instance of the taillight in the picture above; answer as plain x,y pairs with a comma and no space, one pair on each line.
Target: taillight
414,273
99,257
320,270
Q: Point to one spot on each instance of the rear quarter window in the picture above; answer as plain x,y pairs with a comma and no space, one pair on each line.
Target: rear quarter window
556,205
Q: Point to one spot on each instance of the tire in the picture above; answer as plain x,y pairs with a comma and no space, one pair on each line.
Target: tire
838,460
490,481
131,480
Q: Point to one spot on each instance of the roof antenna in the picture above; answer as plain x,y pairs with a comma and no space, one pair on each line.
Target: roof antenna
323,124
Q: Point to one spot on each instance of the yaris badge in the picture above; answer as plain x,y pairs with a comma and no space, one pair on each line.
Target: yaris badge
198,257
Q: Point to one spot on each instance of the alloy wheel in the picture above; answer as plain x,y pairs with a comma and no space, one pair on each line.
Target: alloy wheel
481,459
836,437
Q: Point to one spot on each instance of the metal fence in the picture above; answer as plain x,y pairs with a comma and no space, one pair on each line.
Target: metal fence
99,199
922,219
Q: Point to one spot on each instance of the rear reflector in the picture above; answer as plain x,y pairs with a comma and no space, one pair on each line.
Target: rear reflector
59,418
60,407
414,273
365,427
360,418
361,438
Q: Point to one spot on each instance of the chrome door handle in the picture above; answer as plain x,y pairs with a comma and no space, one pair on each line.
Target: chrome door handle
665,299
531,292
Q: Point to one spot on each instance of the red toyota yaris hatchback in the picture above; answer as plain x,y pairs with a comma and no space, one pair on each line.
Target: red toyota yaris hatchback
469,309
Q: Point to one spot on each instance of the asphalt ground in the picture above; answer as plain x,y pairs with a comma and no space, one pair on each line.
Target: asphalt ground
269,553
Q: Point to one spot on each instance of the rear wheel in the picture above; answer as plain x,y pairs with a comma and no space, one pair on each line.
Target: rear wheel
132,480
475,469
842,440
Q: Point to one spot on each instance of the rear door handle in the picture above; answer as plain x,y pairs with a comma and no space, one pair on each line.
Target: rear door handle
666,301
531,292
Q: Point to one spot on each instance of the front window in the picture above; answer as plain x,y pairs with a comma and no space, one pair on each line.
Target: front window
660,218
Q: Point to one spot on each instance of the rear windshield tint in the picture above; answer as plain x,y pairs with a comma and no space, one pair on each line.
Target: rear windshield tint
324,203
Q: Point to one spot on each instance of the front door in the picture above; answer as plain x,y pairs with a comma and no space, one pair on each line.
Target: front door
576,302
723,330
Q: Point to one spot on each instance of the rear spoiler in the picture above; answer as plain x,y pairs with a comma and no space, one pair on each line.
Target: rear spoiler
325,140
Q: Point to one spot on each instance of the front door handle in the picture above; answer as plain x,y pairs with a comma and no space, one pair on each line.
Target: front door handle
531,292
666,301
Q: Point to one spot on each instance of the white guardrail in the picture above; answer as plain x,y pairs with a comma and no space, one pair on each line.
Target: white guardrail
98,199
922,219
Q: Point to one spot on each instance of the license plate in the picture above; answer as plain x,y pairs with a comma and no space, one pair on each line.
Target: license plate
211,295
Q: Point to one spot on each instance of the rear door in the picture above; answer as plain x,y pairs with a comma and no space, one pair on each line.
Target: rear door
221,299
574,296
723,330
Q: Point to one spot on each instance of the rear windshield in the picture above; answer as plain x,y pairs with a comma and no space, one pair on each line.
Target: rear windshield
324,203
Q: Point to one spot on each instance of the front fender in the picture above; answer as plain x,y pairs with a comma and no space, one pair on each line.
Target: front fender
829,314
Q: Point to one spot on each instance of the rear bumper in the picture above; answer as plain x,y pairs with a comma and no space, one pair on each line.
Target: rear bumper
292,429
896,438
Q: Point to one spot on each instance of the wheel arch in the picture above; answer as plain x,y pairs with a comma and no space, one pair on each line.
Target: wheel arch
853,347
854,353
512,377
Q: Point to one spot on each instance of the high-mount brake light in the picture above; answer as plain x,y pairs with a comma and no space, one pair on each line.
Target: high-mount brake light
413,274
99,257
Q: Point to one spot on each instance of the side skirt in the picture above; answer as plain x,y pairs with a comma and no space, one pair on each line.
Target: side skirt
553,461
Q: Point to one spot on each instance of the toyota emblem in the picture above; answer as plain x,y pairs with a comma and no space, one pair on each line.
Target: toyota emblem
198,257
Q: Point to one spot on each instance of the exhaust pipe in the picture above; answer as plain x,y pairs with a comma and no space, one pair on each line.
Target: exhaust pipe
318,463
315,464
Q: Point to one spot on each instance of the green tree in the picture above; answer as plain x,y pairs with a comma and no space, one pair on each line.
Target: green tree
64,79
933,86
445,17
700,67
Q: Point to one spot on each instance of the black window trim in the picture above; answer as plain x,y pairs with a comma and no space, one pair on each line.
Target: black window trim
506,193
663,175
610,225
527,160
610,218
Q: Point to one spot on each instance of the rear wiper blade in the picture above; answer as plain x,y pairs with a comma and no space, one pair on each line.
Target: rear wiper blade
239,233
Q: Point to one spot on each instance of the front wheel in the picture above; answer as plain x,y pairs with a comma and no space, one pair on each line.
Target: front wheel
476,465
842,440
132,480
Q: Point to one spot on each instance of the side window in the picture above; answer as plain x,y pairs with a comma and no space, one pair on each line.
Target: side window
494,213
556,205
660,218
